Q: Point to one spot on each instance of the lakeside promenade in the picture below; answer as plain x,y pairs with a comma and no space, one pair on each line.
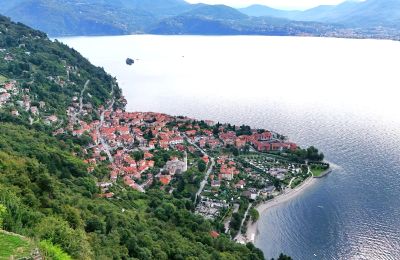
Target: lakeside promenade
288,194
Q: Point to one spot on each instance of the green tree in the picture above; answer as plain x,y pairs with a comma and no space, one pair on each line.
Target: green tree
201,165
3,211
58,232
254,214
138,155
235,151
283,257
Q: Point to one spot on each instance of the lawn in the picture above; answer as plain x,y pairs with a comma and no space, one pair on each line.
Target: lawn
317,171
15,246
3,79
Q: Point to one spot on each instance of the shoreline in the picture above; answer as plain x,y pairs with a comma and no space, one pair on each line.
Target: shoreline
252,228
324,173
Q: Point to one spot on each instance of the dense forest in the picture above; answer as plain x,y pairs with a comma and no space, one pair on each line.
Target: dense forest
50,71
45,191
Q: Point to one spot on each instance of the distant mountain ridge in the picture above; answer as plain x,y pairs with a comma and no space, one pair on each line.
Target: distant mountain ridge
369,13
102,17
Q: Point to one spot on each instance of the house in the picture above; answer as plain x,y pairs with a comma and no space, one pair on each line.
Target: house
8,58
104,185
176,140
4,97
240,142
205,159
114,175
265,136
191,132
262,146
214,234
107,195
164,143
215,184
175,166
228,138
268,191
180,147
34,110
148,155
213,143
208,132
150,164
240,184
165,179
51,119
202,143
226,173
251,194
123,130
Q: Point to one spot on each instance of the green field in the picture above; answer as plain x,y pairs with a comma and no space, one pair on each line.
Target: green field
12,245
318,171
3,79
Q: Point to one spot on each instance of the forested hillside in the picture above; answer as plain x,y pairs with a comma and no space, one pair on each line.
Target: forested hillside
45,187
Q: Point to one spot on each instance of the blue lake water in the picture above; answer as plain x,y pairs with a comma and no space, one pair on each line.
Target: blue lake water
339,95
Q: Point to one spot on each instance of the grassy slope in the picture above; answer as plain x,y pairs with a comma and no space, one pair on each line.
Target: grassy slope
14,245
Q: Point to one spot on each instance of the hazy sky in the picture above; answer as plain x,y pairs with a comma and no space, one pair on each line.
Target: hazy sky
286,4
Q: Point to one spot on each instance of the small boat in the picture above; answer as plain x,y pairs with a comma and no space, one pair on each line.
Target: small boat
130,61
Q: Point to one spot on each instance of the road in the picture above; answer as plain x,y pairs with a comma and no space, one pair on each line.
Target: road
81,97
228,220
75,114
239,237
290,183
210,169
107,148
204,181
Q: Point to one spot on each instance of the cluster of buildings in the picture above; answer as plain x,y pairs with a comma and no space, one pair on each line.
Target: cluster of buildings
7,90
211,208
19,100
119,134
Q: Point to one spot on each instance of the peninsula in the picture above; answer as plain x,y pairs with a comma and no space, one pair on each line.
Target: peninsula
84,178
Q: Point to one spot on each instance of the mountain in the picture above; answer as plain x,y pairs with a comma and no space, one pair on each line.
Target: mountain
262,10
205,19
353,19
159,8
369,13
224,20
87,17
50,192
92,17
217,12
329,13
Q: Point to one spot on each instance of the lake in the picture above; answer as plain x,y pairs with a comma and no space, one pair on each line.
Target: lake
340,95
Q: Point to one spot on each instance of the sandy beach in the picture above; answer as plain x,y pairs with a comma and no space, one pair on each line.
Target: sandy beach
252,228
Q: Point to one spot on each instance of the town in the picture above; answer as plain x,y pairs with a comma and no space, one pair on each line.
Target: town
224,170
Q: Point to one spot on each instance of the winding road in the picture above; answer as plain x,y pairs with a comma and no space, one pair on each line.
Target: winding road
204,181
107,148
81,97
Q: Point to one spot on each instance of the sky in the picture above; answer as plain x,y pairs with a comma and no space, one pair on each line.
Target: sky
283,4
